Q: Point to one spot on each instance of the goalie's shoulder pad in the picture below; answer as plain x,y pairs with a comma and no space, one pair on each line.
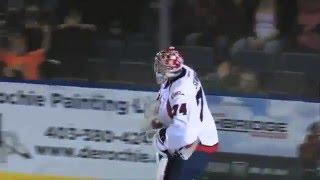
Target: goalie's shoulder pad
176,93
181,89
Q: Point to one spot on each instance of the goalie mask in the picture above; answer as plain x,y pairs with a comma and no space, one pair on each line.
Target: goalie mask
167,64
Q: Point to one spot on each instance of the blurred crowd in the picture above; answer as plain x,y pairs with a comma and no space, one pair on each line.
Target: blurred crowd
51,39
260,46
250,42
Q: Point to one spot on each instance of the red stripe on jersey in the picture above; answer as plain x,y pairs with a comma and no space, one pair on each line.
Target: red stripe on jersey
207,149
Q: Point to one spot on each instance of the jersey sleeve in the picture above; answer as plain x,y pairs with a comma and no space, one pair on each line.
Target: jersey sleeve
180,132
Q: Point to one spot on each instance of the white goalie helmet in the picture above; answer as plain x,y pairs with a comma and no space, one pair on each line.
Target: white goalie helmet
167,64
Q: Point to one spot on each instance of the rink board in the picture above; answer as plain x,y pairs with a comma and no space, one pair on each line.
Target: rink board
71,131
21,176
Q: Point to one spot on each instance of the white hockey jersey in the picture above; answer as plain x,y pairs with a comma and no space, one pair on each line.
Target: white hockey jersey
184,111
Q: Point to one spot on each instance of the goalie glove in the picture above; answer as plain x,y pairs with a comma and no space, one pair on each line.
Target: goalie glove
151,118
183,152
186,151
160,142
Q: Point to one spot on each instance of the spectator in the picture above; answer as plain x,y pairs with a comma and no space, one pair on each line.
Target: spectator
248,82
203,23
265,31
3,26
18,61
33,28
224,79
309,152
230,15
308,38
222,71
230,78
72,45
115,30
192,21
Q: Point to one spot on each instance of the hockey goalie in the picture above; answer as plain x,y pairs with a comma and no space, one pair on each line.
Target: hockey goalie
185,133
